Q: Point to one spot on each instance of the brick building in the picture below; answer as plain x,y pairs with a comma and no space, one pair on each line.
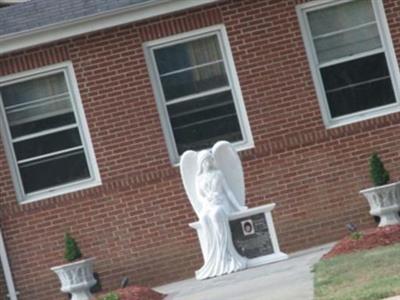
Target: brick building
99,99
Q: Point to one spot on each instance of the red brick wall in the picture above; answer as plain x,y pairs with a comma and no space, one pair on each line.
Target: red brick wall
136,223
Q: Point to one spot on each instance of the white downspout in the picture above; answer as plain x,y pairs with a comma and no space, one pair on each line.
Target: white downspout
12,294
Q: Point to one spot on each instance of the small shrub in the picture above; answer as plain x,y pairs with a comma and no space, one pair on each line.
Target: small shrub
378,173
111,296
356,235
72,251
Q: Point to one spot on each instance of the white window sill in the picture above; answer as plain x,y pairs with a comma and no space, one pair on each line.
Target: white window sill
363,116
59,191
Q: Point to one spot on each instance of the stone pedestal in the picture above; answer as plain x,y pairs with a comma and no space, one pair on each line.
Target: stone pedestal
253,235
260,244
77,278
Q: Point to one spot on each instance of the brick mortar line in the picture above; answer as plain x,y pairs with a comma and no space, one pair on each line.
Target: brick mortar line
290,142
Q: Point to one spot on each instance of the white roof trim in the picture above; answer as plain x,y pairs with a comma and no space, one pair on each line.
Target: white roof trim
12,1
54,32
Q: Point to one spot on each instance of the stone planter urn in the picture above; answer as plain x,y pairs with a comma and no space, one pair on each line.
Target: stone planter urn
384,202
77,278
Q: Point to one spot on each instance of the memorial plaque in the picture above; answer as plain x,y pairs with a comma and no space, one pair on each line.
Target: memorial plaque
251,237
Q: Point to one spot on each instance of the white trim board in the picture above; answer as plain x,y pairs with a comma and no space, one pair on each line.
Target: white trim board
12,293
55,32
12,1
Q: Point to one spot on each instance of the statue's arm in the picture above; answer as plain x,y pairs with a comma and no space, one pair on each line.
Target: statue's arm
201,197
231,195
199,192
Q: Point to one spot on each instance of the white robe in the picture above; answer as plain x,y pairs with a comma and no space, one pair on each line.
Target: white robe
220,255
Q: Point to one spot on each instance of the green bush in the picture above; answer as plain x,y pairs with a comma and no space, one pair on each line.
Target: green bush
72,251
356,235
111,296
378,173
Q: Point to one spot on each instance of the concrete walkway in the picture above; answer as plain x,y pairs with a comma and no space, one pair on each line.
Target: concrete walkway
290,279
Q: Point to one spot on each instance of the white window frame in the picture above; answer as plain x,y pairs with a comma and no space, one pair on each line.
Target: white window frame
233,80
388,50
76,102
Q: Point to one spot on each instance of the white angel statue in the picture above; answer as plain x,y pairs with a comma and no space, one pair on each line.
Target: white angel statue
214,183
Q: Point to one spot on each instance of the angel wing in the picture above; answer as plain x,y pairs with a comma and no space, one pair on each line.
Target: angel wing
188,168
228,161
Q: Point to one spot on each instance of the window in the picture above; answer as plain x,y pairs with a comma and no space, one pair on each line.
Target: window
197,91
352,59
45,132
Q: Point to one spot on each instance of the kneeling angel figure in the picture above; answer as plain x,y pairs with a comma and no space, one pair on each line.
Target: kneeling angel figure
214,183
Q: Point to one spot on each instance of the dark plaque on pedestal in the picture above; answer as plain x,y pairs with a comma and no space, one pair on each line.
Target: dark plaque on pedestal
251,237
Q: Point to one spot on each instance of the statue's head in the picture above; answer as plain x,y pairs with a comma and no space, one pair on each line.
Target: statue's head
205,161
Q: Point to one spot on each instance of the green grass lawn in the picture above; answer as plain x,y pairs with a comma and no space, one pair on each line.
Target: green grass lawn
366,275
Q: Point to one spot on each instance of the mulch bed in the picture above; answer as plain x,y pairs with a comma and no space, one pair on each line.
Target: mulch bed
137,293
371,238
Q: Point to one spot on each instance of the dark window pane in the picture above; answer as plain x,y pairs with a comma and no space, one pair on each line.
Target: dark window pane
42,124
340,17
348,43
187,54
35,106
38,110
34,89
355,71
360,98
54,171
47,144
194,81
358,85
344,30
199,123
